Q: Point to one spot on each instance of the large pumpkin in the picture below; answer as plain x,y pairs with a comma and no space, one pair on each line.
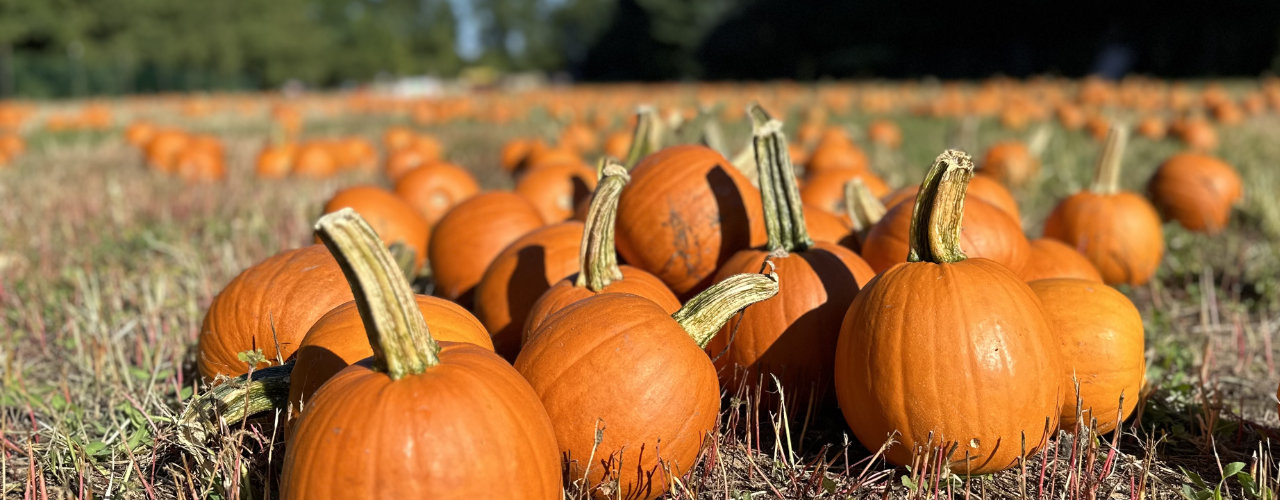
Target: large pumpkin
269,306
1197,190
1100,343
420,419
661,399
1118,231
782,336
946,352
684,213
471,235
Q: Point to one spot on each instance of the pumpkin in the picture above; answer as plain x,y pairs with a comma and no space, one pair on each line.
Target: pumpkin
398,425
1152,127
1051,258
513,154
988,232
200,165
617,145
826,190
579,137
471,235
824,226
397,137
518,277
405,160
314,160
599,271
338,340
946,352
139,133
783,336
394,219
1100,343
435,188
357,153
269,306
1197,190
684,213
162,151
661,400
982,188
836,152
1197,133
885,133
556,189
275,161
1010,162
541,155
1118,231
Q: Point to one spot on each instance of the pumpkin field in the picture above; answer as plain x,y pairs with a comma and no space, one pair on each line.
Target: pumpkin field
1003,288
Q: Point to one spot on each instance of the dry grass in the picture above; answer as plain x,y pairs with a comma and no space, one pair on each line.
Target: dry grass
106,269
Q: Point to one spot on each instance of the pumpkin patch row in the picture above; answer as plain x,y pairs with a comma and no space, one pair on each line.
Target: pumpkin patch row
586,325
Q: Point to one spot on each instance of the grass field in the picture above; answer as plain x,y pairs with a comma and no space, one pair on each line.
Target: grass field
106,269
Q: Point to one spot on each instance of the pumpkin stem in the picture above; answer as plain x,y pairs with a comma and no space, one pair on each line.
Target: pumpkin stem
706,312
864,209
1040,140
404,256
939,209
1106,177
598,257
646,138
397,331
234,401
783,210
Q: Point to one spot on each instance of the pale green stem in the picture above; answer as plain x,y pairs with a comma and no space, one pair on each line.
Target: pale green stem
939,210
706,312
597,256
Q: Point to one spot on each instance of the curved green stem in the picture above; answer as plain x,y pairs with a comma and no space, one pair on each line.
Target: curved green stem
863,208
234,401
939,210
706,312
783,210
397,331
646,138
598,257
1106,176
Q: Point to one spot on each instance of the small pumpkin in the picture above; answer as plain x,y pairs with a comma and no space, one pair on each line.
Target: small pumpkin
1100,343
269,306
1051,258
435,188
314,160
985,385
1197,190
394,219
519,275
275,161
556,189
1118,231
661,400
456,402
598,261
684,213
826,190
471,235
1010,162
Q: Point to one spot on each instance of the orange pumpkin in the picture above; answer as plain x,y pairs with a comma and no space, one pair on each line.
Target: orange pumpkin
394,219
275,161
826,190
981,187
314,160
1051,258
905,356
471,235
1010,162
556,189
1197,190
460,402
435,188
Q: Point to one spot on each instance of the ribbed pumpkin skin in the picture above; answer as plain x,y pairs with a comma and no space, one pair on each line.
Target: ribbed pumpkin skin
1120,234
620,362
1101,345
557,189
471,235
467,428
1010,162
394,219
792,334
634,281
1197,190
434,188
286,294
1051,258
338,339
684,213
519,276
981,187
988,233
963,350
826,190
